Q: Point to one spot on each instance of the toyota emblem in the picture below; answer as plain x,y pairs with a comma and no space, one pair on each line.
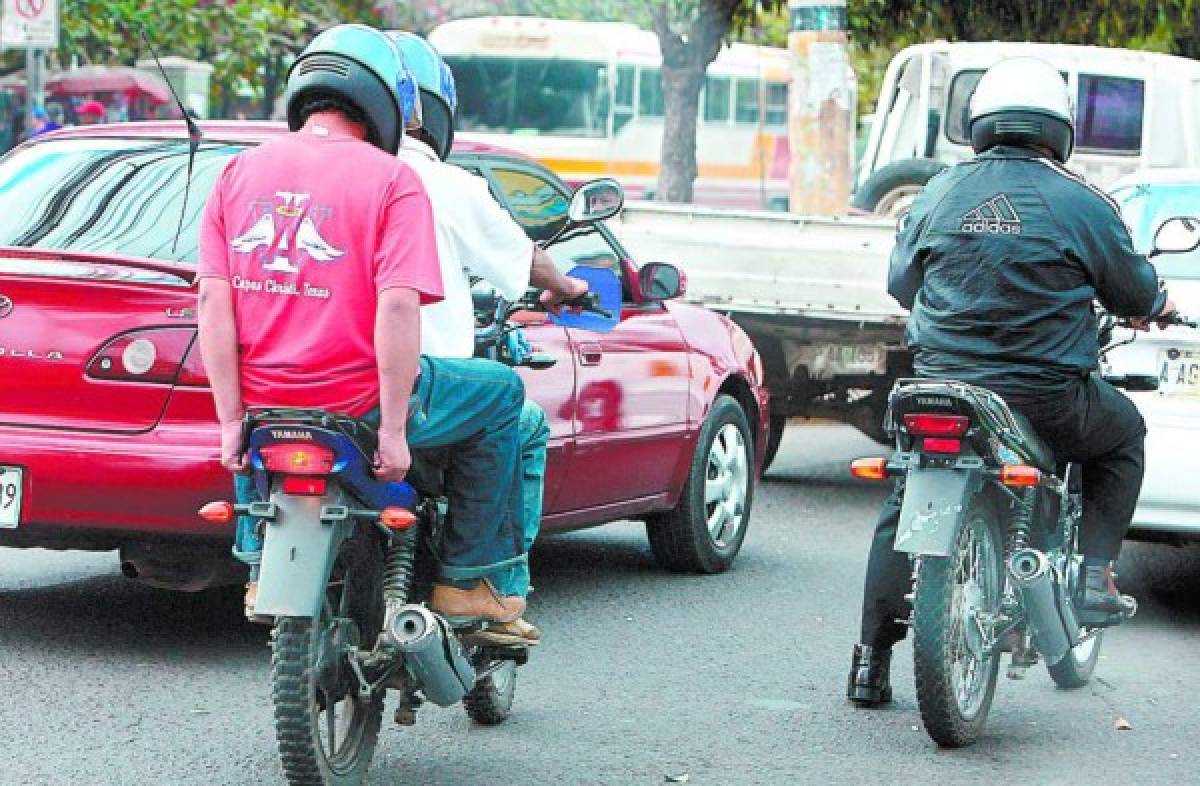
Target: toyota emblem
6,306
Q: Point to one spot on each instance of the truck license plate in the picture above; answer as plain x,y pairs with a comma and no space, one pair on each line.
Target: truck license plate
1179,372
10,497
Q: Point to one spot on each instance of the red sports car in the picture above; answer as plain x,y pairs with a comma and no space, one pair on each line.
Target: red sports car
108,436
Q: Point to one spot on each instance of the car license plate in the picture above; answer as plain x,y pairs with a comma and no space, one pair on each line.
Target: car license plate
10,497
1179,372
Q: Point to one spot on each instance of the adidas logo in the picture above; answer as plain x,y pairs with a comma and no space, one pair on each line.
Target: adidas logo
995,216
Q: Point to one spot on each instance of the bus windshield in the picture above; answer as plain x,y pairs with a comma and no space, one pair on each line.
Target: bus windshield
531,96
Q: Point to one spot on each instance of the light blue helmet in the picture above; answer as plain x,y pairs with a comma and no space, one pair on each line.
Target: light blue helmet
439,98
363,67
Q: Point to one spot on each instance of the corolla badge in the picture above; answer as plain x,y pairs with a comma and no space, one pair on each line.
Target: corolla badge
6,306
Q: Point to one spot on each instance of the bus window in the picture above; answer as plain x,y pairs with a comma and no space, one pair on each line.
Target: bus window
746,101
716,99
777,104
623,101
1109,113
541,96
650,93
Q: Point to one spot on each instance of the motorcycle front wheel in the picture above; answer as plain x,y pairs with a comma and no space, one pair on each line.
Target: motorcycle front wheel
326,731
955,596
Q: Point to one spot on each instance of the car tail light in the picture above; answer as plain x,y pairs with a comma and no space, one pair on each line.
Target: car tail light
1020,475
191,372
942,445
304,486
297,458
397,518
869,468
152,355
924,425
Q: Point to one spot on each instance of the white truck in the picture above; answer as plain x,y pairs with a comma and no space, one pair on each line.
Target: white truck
811,292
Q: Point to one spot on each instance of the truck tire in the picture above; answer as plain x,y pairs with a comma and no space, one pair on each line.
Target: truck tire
890,191
704,533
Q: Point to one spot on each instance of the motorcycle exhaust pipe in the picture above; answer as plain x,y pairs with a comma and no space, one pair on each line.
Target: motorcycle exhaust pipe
432,654
1049,613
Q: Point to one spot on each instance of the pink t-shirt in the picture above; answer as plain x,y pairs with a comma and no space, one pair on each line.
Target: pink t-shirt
308,230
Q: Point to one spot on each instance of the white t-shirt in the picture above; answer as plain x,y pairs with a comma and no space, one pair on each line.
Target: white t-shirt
475,236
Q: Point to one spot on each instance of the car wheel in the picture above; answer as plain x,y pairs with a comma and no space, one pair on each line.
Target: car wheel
704,532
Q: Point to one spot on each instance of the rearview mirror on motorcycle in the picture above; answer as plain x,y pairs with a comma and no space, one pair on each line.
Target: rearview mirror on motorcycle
1177,236
604,292
595,201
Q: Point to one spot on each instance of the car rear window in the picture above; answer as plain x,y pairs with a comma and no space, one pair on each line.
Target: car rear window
108,196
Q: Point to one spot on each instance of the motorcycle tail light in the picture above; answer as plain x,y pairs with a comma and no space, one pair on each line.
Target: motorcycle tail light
304,486
297,458
1020,475
925,425
869,468
943,445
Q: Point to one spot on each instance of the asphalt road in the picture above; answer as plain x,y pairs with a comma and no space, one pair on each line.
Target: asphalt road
732,679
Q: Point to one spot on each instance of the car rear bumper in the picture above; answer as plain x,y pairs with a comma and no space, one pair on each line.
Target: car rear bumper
110,486
1170,501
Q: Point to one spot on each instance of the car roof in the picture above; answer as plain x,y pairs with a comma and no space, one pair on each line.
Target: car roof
246,131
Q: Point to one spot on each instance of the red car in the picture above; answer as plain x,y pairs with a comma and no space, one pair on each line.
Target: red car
108,436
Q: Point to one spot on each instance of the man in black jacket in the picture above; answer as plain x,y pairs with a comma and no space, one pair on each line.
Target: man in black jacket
1000,262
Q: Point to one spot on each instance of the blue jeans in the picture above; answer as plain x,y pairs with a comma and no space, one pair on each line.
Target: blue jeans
473,406
535,433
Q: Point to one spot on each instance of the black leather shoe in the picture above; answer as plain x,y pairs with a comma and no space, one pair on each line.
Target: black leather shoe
870,682
1099,596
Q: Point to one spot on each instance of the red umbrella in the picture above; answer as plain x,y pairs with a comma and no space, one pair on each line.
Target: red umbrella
109,79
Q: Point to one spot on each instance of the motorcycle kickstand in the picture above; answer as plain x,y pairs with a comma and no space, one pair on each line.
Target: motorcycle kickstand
1023,656
406,711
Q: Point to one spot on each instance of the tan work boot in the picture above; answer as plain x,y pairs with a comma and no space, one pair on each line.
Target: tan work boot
481,602
518,633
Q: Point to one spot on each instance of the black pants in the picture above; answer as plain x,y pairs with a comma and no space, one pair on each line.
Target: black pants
1090,423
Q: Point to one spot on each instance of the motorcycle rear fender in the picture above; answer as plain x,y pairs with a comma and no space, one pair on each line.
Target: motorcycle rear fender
297,558
934,501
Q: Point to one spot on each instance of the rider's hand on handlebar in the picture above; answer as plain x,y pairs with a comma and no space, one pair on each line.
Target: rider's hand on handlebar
392,458
551,299
233,457
1163,320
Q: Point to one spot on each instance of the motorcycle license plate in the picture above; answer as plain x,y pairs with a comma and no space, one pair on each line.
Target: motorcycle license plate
1179,372
10,496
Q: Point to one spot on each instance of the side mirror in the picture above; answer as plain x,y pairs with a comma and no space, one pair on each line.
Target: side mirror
660,281
595,201
1177,236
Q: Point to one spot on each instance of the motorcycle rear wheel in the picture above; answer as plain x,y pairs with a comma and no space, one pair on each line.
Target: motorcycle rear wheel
325,730
955,684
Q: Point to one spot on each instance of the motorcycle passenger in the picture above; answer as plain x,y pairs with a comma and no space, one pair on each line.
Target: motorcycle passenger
999,263
317,250
477,237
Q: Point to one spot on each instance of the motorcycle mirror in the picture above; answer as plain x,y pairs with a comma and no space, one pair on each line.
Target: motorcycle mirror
603,282
1177,236
595,201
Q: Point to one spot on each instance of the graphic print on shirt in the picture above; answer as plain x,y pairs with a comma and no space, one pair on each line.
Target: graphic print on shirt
286,225
997,216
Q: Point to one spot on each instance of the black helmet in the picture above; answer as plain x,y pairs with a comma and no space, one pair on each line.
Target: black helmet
1023,101
361,66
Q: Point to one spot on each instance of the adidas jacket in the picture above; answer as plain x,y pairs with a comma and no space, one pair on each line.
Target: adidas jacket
999,263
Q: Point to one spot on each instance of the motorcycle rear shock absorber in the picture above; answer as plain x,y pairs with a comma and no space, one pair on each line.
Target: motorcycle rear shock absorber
1021,522
398,569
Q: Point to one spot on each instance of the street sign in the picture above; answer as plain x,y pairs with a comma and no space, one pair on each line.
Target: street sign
29,24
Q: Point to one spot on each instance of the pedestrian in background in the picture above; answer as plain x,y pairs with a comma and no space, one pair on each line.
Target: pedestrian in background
91,113
42,122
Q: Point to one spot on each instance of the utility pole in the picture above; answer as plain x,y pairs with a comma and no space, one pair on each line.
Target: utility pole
821,108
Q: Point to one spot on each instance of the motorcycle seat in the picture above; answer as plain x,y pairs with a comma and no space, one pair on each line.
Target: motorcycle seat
1040,453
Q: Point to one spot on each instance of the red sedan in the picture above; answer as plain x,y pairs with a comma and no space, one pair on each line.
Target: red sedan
108,436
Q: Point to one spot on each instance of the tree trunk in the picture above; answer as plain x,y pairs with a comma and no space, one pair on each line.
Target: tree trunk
681,94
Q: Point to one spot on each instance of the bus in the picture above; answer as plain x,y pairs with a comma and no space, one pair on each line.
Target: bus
586,99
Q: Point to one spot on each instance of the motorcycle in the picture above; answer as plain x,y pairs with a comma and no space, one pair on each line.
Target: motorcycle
990,519
348,561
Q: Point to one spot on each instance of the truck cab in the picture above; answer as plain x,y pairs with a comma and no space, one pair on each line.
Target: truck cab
1134,111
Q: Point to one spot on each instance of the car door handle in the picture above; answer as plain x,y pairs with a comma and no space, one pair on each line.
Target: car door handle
590,354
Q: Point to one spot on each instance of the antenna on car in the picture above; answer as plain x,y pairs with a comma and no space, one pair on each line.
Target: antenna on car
195,136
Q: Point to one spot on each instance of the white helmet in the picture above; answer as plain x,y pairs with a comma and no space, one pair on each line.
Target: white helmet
1023,101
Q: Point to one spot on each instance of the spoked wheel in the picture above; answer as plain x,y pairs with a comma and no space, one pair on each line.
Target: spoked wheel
490,701
325,729
1075,670
955,597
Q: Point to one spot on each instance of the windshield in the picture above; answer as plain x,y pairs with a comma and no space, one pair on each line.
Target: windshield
531,96
107,196
1145,208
